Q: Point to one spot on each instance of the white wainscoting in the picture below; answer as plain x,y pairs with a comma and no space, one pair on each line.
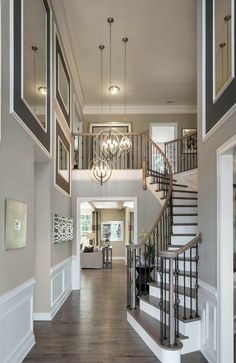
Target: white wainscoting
208,313
61,284
16,323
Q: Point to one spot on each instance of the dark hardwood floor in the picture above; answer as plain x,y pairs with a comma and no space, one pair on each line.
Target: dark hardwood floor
91,326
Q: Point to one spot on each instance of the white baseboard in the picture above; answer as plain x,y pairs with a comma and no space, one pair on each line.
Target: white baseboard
208,313
16,323
42,316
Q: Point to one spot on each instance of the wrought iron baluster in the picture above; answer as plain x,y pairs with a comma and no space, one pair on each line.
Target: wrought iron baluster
191,286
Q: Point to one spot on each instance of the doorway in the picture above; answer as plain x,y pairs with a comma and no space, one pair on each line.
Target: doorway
225,251
163,132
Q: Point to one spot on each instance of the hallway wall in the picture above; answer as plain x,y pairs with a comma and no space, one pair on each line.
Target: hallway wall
142,122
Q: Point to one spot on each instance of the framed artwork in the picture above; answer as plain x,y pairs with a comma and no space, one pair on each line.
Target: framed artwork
62,160
15,224
113,231
219,83
31,68
63,84
189,144
95,128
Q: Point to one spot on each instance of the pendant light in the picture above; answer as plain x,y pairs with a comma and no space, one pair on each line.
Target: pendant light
100,169
125,143
110,137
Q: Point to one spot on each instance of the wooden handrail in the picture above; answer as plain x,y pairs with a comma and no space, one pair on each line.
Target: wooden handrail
167,201
95,134
181,250
180,138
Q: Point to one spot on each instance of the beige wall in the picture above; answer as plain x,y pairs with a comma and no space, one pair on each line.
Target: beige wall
118,248
142,122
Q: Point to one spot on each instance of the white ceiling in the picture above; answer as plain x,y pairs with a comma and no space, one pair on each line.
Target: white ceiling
161,52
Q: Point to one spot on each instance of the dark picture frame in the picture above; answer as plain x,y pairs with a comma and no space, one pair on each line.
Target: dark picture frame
215,109
19,108
61,182
59,56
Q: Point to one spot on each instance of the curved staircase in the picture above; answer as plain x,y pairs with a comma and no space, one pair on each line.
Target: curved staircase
162,270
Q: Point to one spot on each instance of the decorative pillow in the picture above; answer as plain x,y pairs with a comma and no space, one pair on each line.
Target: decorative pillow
88,249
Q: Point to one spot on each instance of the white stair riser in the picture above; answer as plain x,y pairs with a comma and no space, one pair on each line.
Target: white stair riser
181,265
156,292
185,229
181,240
164,355
184,195
187,253
184,202
181,280
184,219
155,313
185,210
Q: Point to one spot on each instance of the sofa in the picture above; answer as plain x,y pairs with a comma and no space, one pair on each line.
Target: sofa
91,259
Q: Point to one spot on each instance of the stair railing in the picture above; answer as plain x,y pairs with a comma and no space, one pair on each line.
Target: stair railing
87,146
182,153
142,258
170,264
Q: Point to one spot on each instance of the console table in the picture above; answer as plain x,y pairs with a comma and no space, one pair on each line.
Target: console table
107,257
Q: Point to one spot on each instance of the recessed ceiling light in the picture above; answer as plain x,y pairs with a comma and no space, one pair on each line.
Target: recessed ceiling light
42,90
170,101
114,90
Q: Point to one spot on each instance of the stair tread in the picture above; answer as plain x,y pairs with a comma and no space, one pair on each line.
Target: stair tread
185,224
184,214
155,301
184,191
152,327
185,198
184,206
181,289
183,234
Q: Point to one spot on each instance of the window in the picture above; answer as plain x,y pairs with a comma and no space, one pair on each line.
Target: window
85,226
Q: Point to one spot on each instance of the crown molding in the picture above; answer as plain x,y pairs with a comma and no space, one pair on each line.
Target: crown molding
140,110
62,27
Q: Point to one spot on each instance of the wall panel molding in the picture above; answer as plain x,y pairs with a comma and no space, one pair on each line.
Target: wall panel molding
208,313
16,323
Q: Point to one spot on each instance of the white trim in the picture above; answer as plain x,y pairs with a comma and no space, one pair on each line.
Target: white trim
42,317
58,273
17,308
140,109
16,291
0,69
75,272
56,118
210,290
118,258
225,276
81,175
11,88
59,13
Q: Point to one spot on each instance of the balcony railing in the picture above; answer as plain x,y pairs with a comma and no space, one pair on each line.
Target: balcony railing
87,146
182,153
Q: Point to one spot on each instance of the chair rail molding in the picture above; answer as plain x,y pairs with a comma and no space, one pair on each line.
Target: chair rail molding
16,322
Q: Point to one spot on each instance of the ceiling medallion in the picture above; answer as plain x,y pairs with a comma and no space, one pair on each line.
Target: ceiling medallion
114,90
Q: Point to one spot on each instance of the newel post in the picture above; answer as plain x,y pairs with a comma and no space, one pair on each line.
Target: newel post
133,286
144,160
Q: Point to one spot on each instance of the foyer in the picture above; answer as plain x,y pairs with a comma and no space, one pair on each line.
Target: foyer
91,326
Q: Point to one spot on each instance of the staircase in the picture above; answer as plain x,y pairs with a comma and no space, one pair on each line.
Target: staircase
163,269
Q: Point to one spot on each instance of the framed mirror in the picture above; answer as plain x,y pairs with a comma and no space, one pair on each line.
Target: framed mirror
223,46
62,83
30,87
62,160
219,56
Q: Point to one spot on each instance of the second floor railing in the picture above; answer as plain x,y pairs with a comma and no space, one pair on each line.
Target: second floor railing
182,153
87,146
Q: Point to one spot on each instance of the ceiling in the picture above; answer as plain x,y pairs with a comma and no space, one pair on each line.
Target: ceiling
161,52
107,205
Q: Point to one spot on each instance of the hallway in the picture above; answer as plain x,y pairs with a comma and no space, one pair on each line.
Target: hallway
91,326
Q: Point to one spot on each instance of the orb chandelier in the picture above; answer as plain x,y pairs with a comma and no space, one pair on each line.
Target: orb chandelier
100,170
